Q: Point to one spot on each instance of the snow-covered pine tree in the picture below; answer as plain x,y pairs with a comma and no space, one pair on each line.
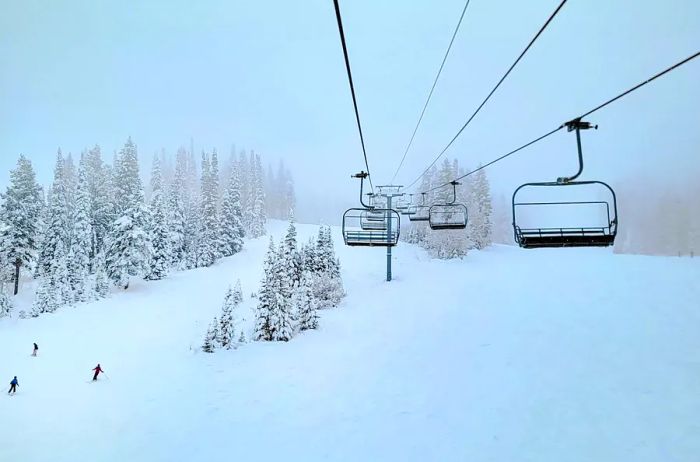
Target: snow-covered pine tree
267,298
98,184
58,276
259,216
209,235
177,205
282,315
81,238
290,254
45,299
237,293
232,231
481,216
20,212
159,235
209,344
5,305
305,304
126,254
226,321
58,226
128,248
101,285
327,283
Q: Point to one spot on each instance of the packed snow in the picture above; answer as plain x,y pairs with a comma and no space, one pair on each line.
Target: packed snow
505,355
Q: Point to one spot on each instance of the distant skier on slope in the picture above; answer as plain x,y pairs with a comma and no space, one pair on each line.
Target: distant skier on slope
97,370
13,386
36,349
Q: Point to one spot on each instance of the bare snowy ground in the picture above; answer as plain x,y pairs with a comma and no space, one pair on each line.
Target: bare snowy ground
508,355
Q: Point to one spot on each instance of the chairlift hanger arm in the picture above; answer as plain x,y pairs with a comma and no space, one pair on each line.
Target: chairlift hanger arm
362,175
577,125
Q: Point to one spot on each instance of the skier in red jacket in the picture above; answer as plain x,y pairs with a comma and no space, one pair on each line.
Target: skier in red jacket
97,370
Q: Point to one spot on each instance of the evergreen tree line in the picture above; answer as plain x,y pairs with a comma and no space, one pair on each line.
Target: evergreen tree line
474,192
297,281
94,228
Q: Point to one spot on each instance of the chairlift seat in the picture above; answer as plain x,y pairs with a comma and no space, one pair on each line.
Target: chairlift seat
447,216
360,230
564,237
600,236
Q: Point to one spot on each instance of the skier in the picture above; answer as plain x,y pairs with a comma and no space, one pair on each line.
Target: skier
13,386
36,349
97,370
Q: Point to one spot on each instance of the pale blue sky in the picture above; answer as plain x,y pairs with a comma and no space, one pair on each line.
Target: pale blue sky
269,76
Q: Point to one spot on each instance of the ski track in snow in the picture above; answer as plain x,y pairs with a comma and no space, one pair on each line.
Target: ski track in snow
507,355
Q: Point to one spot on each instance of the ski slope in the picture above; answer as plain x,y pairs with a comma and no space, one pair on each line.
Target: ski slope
507,355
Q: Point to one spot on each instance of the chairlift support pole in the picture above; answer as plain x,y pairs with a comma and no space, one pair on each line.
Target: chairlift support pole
389,196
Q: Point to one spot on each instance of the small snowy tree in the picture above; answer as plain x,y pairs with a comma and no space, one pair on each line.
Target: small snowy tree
45,300
226,322
305,304
209,344
5,305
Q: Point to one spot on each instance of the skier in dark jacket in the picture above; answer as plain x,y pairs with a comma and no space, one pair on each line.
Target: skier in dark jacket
97,370
36,349
13,386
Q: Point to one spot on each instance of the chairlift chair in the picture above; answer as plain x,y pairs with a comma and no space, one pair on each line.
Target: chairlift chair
370,226
419,212
583,236
373,219
449,215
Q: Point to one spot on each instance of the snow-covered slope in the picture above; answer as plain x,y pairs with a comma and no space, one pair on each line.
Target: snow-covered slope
507,355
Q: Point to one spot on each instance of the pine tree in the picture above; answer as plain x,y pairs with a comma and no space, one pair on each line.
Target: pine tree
58,224
209,242
20,212
58,277
160,238
226,322
126,254
5,305
81,238
45,299
267,299
101,287
258,195
209,344
305,304
98,186
177,219
232,231
128,248
482,209
290,254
